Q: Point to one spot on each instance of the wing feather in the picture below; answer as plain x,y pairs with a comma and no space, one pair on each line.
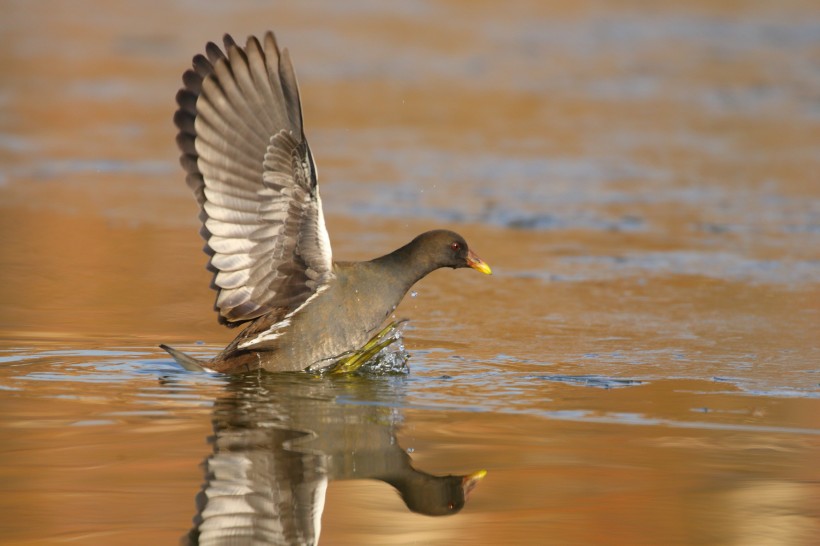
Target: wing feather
250,167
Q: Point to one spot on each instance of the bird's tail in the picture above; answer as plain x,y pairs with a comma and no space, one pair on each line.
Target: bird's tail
186,361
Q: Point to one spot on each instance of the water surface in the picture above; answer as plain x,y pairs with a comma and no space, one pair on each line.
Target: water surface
642,367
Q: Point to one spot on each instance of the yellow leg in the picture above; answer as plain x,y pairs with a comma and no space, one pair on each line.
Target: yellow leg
356,359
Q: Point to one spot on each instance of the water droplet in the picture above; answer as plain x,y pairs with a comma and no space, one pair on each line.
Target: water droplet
413,294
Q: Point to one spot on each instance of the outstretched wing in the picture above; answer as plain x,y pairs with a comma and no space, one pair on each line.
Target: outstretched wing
244,149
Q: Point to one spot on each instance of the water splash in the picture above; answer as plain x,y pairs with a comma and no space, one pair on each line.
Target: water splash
384,353
391,359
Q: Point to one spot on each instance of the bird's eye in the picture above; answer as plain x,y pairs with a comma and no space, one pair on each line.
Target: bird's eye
455,246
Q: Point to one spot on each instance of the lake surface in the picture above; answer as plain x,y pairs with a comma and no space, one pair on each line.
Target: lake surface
642,368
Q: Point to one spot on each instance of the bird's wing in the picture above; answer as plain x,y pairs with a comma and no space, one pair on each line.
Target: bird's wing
247,161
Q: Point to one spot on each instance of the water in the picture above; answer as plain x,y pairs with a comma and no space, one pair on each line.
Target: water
641,368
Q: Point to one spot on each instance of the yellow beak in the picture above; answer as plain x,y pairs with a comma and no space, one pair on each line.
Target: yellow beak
475,262
470,481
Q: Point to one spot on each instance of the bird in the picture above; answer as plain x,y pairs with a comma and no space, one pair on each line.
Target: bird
246,158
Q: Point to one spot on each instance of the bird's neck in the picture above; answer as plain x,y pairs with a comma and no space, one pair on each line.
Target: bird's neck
407,264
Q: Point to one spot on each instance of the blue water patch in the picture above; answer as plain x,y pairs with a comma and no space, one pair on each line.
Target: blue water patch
719,265
597,381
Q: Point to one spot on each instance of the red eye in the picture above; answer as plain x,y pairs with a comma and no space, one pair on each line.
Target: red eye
455,246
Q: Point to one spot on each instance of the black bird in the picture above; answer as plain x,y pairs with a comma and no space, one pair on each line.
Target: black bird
249,165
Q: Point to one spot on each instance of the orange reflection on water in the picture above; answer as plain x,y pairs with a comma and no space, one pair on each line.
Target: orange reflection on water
641,367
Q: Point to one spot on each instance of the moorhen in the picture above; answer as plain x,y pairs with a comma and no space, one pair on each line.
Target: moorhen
249,165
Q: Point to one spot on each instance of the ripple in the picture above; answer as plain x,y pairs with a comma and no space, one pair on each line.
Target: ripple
597,381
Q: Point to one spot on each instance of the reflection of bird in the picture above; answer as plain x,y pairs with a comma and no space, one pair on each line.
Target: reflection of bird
433,495
249,164
280,439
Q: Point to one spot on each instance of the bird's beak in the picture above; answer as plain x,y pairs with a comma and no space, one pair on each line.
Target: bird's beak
469,482
475,262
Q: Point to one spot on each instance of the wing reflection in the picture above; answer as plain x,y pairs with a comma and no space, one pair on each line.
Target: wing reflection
280,439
